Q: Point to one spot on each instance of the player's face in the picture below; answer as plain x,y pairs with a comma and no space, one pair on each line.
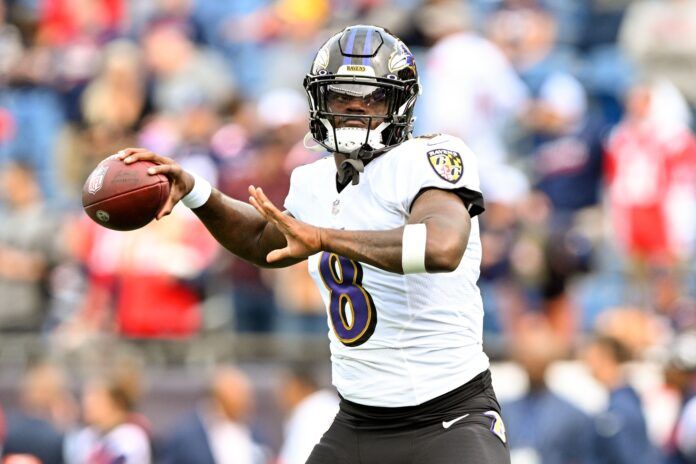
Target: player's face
361,100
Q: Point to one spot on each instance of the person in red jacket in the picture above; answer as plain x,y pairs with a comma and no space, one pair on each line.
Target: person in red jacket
650,170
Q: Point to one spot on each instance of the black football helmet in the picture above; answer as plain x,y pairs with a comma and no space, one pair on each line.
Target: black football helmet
369,64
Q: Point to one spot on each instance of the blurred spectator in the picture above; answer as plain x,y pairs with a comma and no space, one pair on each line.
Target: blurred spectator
161,132
567,170
255,308
473,92
115,97
216,432
544,428
651,182
672,299
2,429
63,21
47,412
29,249
112,105
526,34
184,75
31,112
605,70
146,280
114,432
568,149
23,63
310,411
195,127
11,46
75,31
680,374
501,292
621,435
640,331
270,44
180,13
660,35
284,113
600,26
294,25
686,431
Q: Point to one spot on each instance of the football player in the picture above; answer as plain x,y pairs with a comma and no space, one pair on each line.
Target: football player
388,226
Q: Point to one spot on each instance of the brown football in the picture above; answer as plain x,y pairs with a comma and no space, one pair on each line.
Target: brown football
124,196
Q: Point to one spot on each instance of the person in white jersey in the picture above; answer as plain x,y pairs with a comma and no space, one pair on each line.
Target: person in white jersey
388,226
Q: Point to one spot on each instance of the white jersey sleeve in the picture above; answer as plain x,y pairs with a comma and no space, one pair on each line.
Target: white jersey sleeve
441,162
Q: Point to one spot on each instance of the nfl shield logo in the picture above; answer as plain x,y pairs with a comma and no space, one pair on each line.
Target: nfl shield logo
96,180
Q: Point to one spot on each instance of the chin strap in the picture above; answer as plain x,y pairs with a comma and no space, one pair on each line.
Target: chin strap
350,168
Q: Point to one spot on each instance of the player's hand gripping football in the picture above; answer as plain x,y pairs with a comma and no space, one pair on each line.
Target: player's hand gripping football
303,240
181,182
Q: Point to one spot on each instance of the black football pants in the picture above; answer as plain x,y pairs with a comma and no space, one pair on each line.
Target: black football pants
462,426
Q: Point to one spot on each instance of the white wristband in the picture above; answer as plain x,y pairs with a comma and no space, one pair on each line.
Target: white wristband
413,249
199,194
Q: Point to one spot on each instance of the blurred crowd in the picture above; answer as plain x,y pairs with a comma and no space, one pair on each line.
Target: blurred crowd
581,114
104,424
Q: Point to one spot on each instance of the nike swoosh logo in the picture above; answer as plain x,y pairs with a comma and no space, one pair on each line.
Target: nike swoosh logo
448,424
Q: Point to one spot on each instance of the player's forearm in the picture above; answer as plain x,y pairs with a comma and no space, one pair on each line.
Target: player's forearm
383,249
239,228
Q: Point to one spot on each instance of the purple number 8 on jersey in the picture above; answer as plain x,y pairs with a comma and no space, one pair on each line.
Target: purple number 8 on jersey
343,280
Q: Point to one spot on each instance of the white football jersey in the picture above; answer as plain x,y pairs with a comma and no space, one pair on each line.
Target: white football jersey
396,340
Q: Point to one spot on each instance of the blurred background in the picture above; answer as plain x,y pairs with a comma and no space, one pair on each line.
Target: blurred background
581,113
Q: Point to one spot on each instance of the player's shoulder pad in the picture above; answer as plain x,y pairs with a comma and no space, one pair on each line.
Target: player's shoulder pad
447,155
308,171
